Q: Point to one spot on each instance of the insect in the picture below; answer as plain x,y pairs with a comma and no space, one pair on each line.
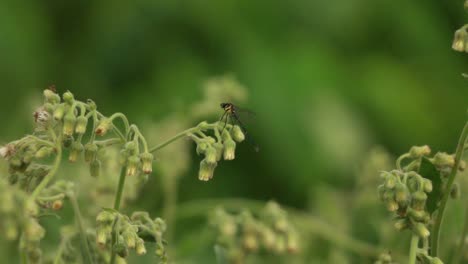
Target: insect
231,112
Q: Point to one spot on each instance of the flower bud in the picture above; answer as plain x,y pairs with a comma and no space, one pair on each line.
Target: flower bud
129,239
401,224
49,108
146,162
105,218
237,134
51,97
390,181
427,185
76,150
442,159
33,231
280,245
392,206
462,165
7,151
417,215
31,208
389,195
140,247
201,147
103,126
57,205
229,149
419,151
219,150
101,236
206,170
120,248
90,152
250,242
133,164
68,97
69,121
455,191
401,193
81,123
211,155
59,112
418,200
421,230
43,152
95,168
460,40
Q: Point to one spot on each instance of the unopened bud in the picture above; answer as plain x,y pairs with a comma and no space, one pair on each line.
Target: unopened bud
81,123
91,150
206,170
211,155
418,200
68,97
443,159
401,224
401,193
129,239
250,242
140,247
105,218
390,181
419,151
460,40
427,185
219,150
51,97
59,112
133,164
57,205
103,126
421,230
229,149
392,206
146,162
76,150
201,147
237,134
69,121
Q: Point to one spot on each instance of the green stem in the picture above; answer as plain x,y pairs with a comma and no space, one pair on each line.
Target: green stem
118,198
52,172
304,221
413,249
174,138
440,214
86,253
461,244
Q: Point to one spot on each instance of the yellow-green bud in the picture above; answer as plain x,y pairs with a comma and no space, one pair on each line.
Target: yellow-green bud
427,185
101,236
33,231
76,150
51,97
418,200
229,149
140,247
31,208
43,152
460,40
401,224
292,243
419,151
392,206
91,104
133,164
421,230
129,238
443,159
201,147
401,193
120,248
390,181
211,155
81,123
250,242
69,121
237,134
417,215
206,170
462,165
146,162
103,126
219,150
59,112
389,195
91,150
68,97
280,245
95,168
105,218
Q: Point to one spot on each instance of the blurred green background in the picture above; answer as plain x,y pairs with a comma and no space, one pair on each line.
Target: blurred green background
329,80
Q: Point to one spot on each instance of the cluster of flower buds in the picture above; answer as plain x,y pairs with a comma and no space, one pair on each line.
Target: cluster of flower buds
130,233
242,234
136,163
12,222
223,147
53,196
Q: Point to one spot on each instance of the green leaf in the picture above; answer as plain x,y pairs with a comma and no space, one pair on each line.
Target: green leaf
429,171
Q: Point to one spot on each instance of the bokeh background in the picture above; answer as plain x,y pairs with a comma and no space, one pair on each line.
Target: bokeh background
329,81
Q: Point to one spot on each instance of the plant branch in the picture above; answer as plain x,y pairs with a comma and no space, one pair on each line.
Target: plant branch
52,172
440,214
413,249
174,138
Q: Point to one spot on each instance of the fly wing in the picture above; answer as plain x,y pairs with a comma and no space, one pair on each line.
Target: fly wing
247,135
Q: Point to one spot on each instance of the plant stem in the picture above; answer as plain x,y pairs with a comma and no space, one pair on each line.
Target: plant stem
461,244
52,172
413,249
118,198
446,194
174,138
86,253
